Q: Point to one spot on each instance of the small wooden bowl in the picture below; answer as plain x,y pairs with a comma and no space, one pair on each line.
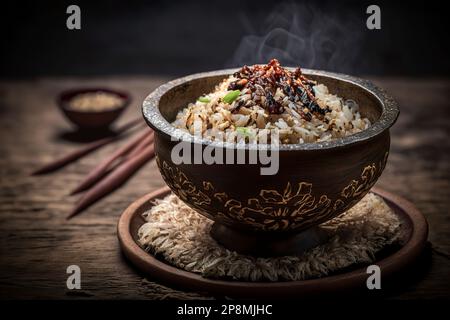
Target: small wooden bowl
92,119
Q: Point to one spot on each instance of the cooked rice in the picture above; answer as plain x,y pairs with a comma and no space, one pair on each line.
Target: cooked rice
259,110
181,236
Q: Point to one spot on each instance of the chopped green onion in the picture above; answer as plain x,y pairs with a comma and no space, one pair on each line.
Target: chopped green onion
204,99
244,131
231,96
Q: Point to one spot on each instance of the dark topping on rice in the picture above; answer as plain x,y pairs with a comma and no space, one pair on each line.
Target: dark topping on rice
274,106
264,80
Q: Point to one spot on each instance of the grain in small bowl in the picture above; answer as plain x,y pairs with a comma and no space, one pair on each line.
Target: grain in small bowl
93,108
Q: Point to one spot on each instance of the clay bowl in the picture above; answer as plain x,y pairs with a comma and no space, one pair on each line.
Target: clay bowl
91,119
315,181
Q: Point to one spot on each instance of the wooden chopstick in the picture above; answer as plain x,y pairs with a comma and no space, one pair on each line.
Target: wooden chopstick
114,180
75,155
99,171
141,146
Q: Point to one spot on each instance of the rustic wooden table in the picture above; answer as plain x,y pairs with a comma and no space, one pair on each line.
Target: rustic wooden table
37,243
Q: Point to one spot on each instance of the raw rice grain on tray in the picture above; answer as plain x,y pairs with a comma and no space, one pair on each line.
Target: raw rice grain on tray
260,99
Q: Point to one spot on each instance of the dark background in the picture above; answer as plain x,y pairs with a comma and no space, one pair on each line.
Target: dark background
180,37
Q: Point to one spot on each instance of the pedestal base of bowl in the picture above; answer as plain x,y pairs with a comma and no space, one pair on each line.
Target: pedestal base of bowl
267,245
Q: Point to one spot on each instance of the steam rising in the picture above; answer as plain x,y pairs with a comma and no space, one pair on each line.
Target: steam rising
299,35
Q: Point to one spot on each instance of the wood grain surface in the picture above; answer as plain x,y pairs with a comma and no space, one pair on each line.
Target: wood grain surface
37,243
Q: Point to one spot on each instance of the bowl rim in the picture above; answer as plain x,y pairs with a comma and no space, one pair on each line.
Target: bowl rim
390,113
65,96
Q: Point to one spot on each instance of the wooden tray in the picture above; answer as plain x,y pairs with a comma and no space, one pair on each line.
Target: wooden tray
413,238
